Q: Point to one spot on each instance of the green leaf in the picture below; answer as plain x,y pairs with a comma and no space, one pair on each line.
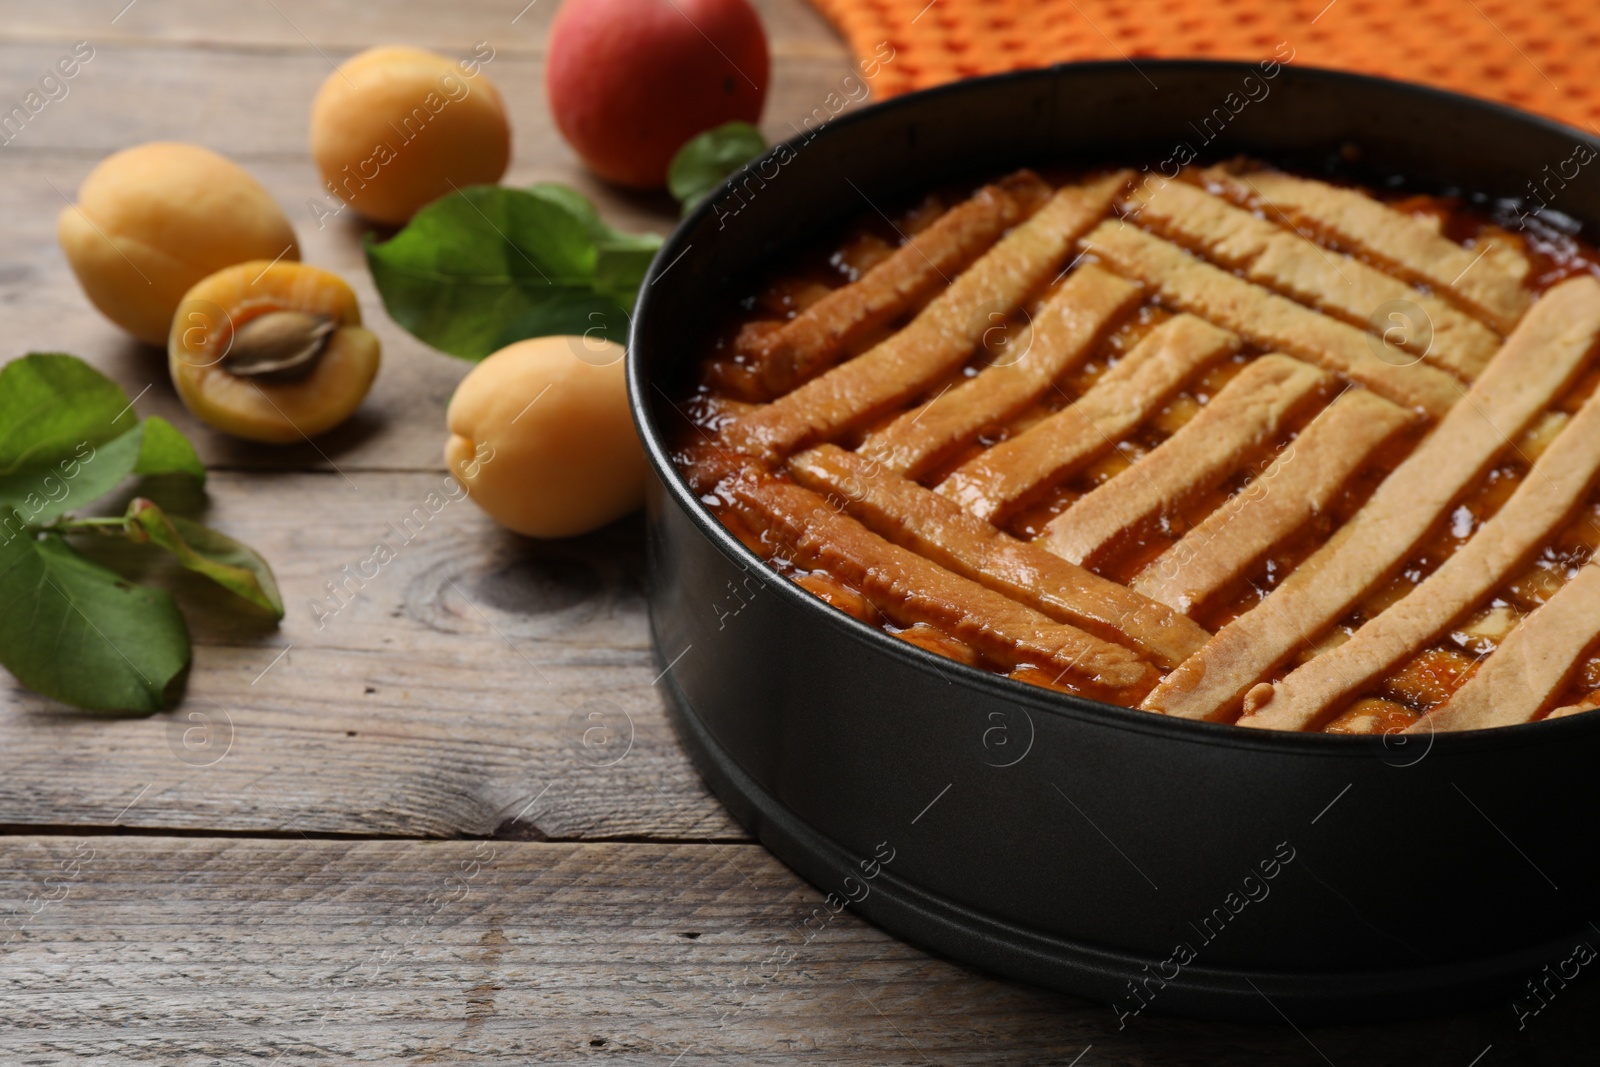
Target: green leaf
90,473
50,401
571,201
707,159
576,205
621,259
59,418
482,267
166,451
234,566
68,436
604,235
578,315
75,631
619,271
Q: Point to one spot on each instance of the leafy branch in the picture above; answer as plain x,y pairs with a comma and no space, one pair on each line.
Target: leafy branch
72,628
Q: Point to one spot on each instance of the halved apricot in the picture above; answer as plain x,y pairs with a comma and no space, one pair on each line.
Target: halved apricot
271,352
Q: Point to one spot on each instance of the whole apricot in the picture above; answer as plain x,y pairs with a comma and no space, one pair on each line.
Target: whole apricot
153,220
271,352
393,129
630,81
541,437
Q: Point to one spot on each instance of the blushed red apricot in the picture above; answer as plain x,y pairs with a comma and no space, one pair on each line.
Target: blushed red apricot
630,81
394,128
153,220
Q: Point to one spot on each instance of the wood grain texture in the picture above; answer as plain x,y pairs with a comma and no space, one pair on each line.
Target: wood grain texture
190,951
794,30
448,694
250,103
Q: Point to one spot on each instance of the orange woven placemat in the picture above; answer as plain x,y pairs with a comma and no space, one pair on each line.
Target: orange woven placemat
1535,54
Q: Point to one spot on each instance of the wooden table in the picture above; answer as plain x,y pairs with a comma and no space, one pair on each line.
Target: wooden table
381,839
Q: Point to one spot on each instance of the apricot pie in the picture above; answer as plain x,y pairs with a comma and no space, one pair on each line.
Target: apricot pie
1241,446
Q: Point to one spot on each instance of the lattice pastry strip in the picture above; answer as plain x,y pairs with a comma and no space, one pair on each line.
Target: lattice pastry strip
1250,413
995,483
1060,335
1487,281
939,339
782,356
1528,670
1300,484
919,519
1337,284
1266,319
910,589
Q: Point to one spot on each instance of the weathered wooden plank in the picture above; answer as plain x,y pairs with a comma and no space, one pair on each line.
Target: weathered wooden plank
186,951
216,96
447,693
793,29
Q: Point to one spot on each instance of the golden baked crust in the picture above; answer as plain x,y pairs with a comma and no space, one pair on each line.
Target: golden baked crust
1242,446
